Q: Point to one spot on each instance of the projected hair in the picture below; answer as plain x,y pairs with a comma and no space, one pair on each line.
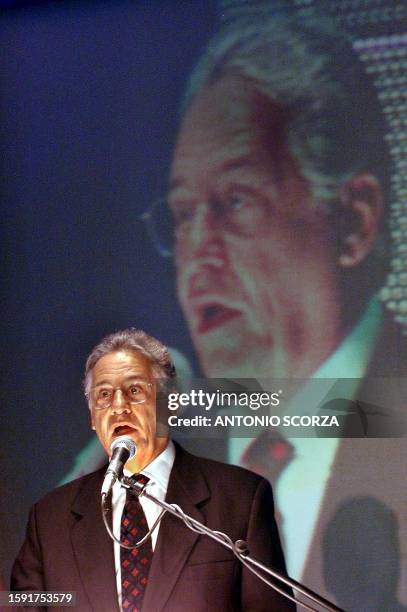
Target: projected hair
335,126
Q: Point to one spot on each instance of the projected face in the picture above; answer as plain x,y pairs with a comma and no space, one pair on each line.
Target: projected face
123,403
255,259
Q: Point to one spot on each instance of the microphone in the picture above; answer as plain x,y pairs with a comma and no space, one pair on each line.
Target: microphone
123,448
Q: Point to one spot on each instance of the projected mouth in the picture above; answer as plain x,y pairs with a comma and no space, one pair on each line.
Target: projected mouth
214,315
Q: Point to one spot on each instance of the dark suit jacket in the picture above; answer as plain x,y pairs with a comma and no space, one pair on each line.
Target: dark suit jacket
359,544
67,547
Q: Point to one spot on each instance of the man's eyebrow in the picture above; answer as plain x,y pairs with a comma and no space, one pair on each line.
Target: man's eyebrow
244,162
134,377
102,382
228,165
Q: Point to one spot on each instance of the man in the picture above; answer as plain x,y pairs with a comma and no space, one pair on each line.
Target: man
67,547
265,206
277,190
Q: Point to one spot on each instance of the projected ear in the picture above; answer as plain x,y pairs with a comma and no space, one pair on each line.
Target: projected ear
361,203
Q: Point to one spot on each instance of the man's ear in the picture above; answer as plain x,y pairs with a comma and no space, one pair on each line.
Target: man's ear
361,203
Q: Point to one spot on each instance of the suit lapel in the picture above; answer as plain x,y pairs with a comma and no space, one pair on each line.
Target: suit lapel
93,548
187,488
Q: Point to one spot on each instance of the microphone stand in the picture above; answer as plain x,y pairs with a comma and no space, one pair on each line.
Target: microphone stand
239,548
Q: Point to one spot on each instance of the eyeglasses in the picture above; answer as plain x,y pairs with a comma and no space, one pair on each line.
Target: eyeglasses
133,392
159,222
242,212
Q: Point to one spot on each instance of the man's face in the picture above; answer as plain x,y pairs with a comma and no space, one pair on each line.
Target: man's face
127,375
255,257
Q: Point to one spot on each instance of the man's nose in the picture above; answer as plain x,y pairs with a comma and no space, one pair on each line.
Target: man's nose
119,402
206,228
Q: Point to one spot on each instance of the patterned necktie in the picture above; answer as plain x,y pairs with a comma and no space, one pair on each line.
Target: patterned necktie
269,455
135,563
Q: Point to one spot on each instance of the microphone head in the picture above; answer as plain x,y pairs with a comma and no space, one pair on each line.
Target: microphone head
124,442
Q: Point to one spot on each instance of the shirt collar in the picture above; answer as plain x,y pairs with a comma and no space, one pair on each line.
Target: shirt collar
351,359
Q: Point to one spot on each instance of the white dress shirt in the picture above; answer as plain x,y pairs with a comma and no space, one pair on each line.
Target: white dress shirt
158,472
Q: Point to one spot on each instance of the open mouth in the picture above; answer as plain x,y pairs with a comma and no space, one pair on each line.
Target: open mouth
123,430
214,315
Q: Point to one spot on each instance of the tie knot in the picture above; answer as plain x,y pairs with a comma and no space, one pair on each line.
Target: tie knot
268,455
140,478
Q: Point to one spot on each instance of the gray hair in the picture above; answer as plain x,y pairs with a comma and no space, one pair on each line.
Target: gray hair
137,341
335,127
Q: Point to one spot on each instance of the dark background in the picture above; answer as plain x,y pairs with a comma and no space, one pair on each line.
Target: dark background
89,103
